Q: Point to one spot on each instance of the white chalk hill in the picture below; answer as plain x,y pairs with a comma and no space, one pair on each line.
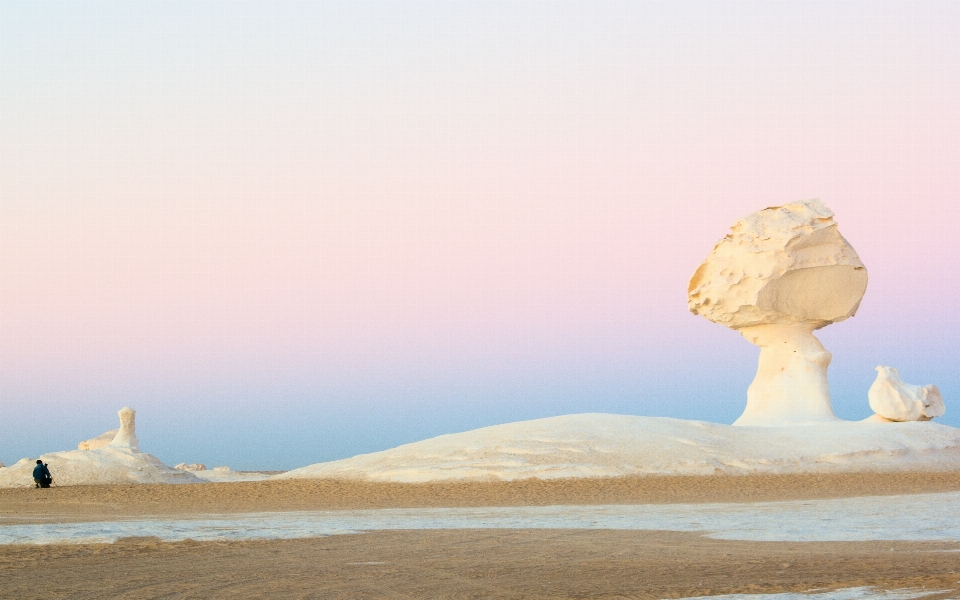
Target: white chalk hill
604,445
119,461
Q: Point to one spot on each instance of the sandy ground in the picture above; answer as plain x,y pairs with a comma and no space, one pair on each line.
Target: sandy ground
462,563
84,503
470,564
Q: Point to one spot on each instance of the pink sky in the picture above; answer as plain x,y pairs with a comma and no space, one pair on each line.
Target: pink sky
447,215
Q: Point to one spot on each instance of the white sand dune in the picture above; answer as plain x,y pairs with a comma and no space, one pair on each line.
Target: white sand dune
604,445
108,464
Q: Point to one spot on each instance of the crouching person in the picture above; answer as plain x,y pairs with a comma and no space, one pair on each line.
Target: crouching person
41,475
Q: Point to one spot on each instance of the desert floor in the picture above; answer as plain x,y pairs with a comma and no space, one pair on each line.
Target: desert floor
85,503
491,563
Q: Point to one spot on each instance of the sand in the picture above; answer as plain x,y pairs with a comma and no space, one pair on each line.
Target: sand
76,503
463,563
470,564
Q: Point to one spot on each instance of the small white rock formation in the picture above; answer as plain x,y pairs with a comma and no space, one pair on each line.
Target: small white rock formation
98,442
106,465
192,467
896,400
782,273
119,461
127,434
221,469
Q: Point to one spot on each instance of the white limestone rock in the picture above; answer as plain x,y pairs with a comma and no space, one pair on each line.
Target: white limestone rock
192,467
895,400
127,434
98,442
603,445
119,461
222,469
784,264
782,273
106,465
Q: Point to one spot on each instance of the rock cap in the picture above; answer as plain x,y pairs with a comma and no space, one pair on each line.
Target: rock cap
783,264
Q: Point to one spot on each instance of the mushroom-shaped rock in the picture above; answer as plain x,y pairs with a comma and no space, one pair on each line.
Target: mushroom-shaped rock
780,274
127,434
892,398
100,441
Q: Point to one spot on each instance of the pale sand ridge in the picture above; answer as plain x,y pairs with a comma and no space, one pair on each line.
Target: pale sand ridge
603,445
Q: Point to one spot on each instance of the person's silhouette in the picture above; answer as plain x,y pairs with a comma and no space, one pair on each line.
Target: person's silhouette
41,475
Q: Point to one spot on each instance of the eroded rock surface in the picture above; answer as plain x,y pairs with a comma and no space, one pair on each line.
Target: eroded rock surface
127,434
98,442
780,274
894,399
784,264
192,467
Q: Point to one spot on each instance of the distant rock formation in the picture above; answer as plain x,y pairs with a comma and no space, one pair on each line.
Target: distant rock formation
98,442
127,434
124,437
119,460
782,273
893,399
192,467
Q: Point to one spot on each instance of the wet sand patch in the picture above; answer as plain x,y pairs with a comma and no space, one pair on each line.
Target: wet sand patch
473,564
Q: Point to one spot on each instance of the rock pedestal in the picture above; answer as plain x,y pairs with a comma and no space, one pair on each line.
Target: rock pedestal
791,381
127,435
